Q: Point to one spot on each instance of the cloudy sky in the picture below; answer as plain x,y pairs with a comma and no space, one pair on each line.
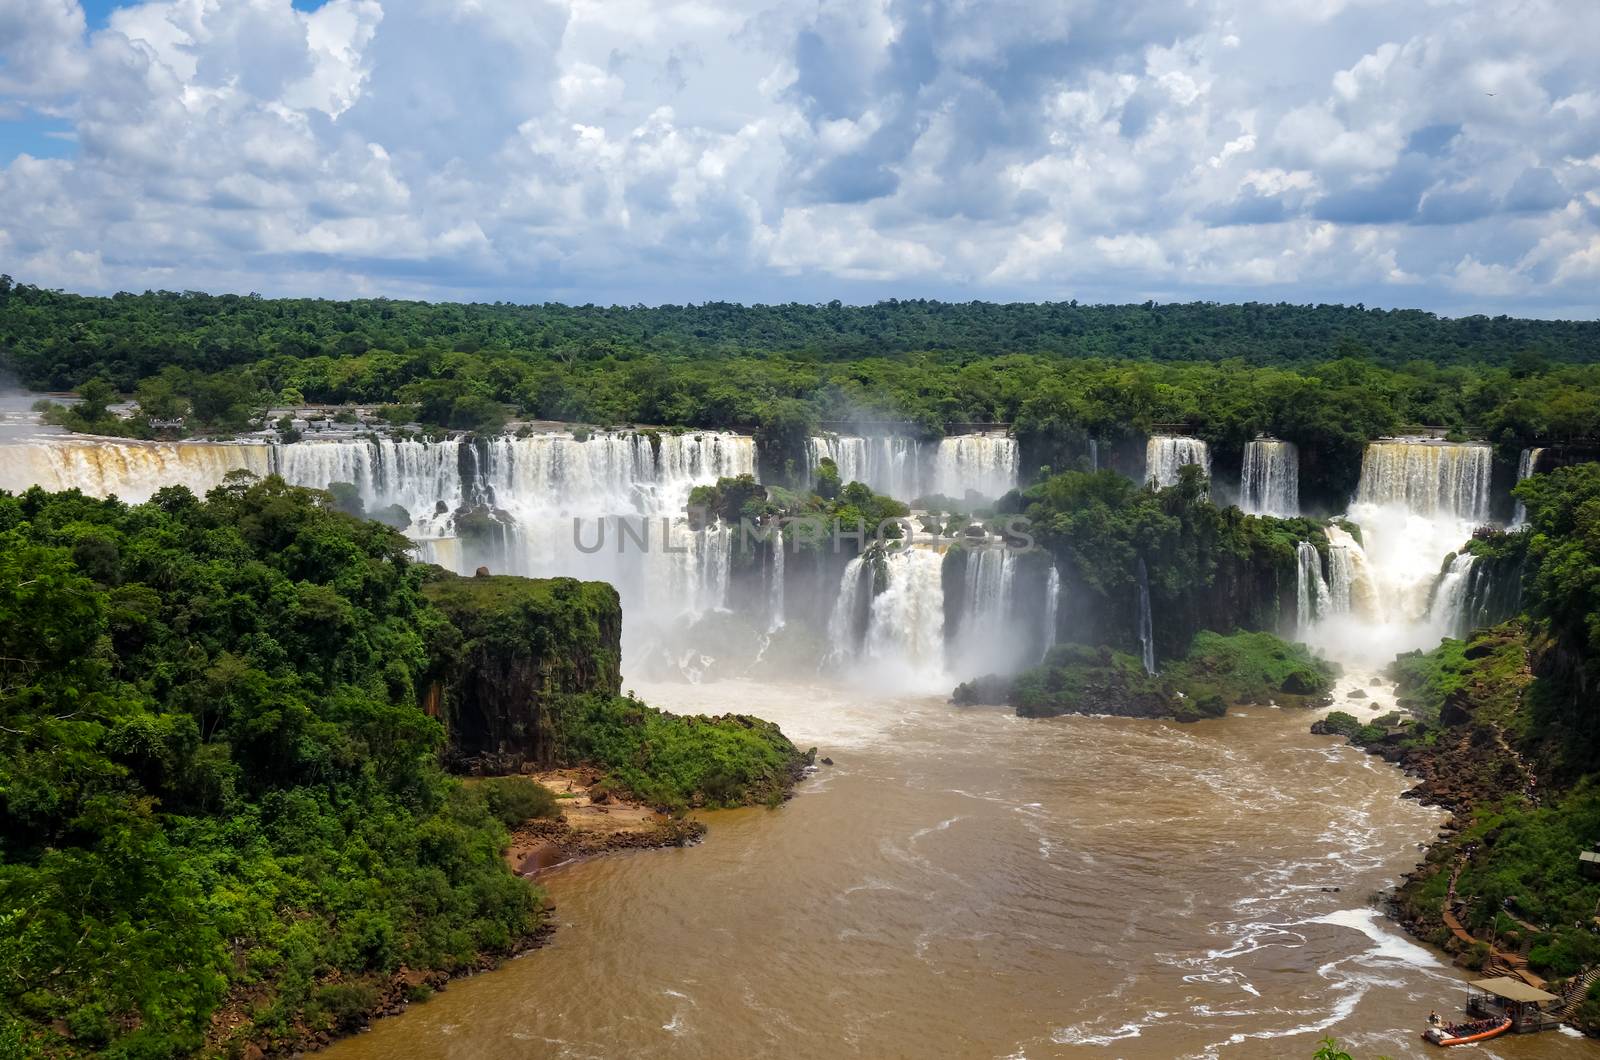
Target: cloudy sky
1433,153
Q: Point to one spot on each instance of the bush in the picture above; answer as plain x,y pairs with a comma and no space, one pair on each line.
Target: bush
516,799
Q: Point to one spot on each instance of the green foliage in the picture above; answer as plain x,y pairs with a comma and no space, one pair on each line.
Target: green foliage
516,799
1208,567
215,784
1326,377
675,761
1218,671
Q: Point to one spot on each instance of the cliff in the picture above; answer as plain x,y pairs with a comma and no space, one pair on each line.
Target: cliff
515,651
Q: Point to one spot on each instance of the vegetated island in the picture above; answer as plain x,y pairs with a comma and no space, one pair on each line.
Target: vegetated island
226,822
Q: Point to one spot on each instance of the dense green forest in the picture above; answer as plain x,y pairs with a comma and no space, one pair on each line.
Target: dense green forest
1326,377
223,817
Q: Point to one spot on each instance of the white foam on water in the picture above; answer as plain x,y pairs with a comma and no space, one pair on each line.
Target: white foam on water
1389,946
1080,1034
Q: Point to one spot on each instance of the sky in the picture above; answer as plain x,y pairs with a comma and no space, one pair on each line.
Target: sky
1441,154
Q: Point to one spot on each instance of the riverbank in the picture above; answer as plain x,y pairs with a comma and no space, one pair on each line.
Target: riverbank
594,821
1499,888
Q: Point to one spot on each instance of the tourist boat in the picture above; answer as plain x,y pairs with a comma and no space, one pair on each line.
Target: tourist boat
1452,1035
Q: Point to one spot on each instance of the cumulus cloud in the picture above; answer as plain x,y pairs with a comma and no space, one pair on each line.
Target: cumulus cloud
622,150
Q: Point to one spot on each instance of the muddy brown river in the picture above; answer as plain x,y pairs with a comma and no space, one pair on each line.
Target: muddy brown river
965,883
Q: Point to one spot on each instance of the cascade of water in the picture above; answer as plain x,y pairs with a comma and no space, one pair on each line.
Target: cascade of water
985,464
1313,598
1351,586
984,640
775,619
843,630
1525,466
889,465
1449,613
1164,454
905,629
1052,603
1270,481
133,471
1094,454
1147,635
1428,478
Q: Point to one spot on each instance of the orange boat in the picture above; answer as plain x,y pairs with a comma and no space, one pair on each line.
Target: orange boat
1466,1033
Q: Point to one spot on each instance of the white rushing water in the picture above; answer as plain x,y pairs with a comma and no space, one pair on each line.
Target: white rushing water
1269,483
984,464
1147,635
1164,454
902,646
1313,598
1417,503
890,465
1052,607
985,640
1526,463
1428,478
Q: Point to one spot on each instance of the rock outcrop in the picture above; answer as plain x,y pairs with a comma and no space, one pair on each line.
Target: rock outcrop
515,651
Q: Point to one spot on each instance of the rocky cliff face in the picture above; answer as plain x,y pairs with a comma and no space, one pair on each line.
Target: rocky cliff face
514,652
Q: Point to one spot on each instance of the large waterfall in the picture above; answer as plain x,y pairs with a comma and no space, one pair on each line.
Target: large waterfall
133,471
985,640
985,464
890,465
902,643
1527,463
899,467
1270,481
1428,478
1418,502
1164,454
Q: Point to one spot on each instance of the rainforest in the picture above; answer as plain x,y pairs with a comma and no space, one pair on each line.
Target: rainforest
339,640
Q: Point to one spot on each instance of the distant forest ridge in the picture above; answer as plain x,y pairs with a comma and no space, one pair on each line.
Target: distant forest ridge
215,331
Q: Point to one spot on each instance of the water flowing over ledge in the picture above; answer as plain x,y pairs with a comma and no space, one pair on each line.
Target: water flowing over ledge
1164,454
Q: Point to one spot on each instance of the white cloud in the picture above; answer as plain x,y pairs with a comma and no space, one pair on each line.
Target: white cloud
676,149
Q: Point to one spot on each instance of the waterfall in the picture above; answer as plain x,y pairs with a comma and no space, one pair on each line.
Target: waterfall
1164,454
905,628
903,468
1525,467
985,464
1270,481
844,623
1052,603
1449,612
1352,590
1094,454
889,465
1428,478
775,586
1313,599
132,471
984,639
1147,634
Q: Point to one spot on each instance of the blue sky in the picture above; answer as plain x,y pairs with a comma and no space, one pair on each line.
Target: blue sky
1442,154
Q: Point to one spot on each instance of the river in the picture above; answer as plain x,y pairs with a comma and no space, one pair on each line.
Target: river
966,883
